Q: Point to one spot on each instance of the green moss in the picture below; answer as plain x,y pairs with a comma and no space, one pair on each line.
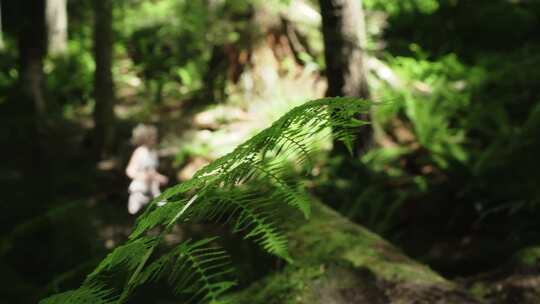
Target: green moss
329,237
287,287
480,289
334,258
528,256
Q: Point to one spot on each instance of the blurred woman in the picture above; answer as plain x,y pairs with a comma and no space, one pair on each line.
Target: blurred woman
142,168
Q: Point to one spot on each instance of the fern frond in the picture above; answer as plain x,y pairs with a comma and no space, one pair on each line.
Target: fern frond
218,192
250,212
86,294
127,256
198,268
317,114
286,193
296,142
154,217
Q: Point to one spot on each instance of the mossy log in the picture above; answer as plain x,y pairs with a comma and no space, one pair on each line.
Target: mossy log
337,261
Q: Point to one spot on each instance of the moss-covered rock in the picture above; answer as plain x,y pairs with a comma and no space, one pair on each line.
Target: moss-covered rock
337,261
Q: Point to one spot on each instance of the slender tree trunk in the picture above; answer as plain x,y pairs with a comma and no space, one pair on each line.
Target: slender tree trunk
344,36
57,21
32,46
215,75
104,117
31,98
158,97
1,38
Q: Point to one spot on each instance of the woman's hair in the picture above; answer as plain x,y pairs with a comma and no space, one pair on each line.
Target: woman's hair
142,133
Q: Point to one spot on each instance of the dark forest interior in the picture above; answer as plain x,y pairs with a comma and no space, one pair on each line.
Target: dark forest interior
387,151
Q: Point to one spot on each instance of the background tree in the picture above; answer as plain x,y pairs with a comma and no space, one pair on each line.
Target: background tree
1,37
343,28
32,49
104,94
57,23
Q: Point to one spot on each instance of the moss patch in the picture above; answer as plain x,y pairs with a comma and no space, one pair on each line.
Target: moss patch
287,287
528,256
331,237
517,281
338,262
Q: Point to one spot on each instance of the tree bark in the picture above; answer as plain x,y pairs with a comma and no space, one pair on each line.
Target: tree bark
343,31
339,262
57,22
104,95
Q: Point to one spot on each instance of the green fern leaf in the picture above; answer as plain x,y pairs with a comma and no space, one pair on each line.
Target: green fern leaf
220,192
86,294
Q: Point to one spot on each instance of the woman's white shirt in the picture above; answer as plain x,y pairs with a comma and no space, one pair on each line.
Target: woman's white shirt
144,160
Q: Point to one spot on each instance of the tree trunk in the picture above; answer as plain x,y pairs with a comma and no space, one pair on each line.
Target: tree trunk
339,262
56,16
104,117
31,104
1,38
344,36
215,75
32,45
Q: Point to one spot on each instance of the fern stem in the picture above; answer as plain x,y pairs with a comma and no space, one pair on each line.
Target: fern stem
181,212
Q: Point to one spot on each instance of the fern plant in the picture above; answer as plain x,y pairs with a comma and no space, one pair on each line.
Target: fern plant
218,193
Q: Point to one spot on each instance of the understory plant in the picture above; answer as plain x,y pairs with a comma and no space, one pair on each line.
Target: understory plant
244,189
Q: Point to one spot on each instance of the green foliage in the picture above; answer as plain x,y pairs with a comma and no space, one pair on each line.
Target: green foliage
191,150
85,294
403,6
462,27
244,188
70,77
435,102
8,72
171,41
160,44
